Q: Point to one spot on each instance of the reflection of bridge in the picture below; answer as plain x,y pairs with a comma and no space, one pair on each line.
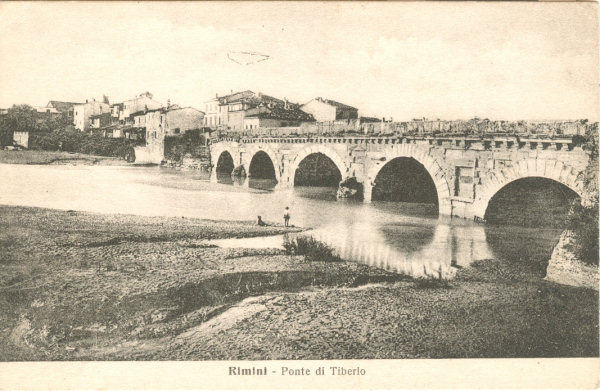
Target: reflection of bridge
466,172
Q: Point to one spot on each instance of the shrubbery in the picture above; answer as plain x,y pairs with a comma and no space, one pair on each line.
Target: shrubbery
192,142
312,249
72,140
583,221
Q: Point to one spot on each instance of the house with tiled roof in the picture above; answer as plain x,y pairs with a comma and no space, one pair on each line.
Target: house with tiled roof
62,107
137,106
58,107
229,112
328,110
275,115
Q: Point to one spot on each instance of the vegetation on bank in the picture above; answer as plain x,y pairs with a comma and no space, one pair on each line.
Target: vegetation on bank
583,219
73,140
311,248
55,132
192,143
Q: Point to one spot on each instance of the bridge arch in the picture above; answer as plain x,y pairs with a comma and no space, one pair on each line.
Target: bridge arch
253,150
531,168
218,148
330,153
431,166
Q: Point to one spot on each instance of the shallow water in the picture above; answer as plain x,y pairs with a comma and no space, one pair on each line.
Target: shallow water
408,238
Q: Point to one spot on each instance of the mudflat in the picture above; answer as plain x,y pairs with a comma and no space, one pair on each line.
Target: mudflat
85,286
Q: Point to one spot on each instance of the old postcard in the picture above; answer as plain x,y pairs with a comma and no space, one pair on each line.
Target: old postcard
298,195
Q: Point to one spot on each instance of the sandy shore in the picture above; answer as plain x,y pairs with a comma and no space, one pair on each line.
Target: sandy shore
52,157
83,286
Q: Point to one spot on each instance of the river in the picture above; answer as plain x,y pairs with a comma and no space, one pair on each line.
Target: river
402,237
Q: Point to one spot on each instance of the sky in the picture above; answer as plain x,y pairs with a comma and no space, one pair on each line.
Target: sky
404,60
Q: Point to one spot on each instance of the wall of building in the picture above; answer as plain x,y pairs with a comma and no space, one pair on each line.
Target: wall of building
82,113
140,103
180,121
251,123
139,121
100,121
154,150
320,111
235,120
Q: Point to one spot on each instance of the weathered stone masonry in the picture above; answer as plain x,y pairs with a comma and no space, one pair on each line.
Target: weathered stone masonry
467,172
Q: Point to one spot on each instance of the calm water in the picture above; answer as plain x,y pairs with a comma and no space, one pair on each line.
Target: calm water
407,238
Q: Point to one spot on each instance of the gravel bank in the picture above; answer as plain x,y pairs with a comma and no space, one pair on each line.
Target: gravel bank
83,286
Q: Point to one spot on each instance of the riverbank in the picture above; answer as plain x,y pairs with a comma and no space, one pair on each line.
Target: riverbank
55,157
84,286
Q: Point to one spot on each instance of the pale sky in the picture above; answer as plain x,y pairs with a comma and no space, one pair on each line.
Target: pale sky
404,60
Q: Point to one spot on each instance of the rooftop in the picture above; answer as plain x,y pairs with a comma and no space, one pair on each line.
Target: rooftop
61,106
335,103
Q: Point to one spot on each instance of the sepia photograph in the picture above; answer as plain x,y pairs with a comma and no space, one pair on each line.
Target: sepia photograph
249,182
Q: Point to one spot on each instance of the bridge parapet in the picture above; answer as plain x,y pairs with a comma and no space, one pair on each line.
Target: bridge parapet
486,143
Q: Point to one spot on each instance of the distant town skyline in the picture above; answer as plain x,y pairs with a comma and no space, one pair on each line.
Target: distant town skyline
512,61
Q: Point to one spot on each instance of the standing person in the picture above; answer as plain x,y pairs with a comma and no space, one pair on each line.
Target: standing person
286,216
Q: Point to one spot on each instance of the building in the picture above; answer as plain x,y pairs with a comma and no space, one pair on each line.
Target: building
139,105
115,112
327,110
83,112
215,113
180,120
245,110
101,120
172,121
233,108
164,122
275,116
61,107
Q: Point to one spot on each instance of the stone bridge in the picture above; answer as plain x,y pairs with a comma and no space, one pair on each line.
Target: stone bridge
466,172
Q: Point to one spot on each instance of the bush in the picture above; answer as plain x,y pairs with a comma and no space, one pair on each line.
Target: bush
72,140
583,221
312,249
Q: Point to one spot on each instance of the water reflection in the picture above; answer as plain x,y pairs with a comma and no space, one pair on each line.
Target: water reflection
243,182
527,248
418,248
408,238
